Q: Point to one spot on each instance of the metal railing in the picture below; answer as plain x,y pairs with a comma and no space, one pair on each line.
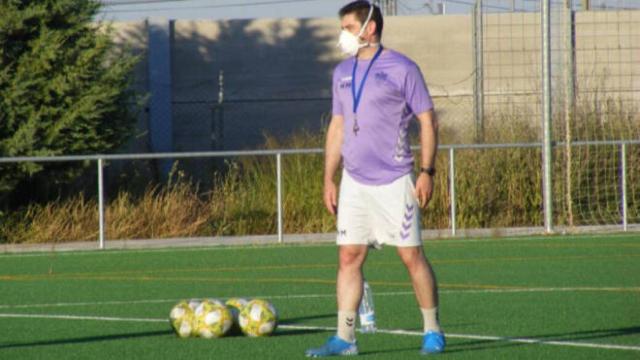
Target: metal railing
278,154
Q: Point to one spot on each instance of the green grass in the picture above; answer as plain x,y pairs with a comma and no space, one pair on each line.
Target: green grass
573,289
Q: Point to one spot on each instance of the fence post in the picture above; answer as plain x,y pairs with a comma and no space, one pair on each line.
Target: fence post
570,101
546,116
100,203
279,192
623,175
478,67
217,115
452,189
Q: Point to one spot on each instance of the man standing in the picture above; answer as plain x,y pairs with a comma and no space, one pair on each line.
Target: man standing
376,93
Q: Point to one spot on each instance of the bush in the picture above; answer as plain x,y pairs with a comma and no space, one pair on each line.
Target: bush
63,89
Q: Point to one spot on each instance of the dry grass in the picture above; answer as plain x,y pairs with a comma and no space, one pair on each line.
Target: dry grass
495,188
73,219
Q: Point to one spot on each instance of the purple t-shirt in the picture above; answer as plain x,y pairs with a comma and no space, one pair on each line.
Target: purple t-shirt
394,91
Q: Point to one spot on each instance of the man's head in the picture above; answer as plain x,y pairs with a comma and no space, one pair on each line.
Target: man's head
354,15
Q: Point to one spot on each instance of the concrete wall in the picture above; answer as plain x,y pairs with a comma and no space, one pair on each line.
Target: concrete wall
134,37
286,64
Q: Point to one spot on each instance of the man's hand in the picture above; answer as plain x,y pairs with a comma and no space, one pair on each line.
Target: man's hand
332,162
331,196
424,189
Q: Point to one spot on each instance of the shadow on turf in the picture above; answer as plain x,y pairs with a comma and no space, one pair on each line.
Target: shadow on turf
87,339
493,344
293,332
416,349
573,336
305,318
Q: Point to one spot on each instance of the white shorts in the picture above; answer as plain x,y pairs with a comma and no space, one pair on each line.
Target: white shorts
378,214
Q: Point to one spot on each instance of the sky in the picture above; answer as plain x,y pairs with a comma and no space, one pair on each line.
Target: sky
243,9
122,10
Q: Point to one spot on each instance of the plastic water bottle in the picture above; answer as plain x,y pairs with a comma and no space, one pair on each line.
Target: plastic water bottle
367,311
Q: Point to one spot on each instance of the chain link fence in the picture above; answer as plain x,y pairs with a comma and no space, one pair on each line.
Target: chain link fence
595,91
595,85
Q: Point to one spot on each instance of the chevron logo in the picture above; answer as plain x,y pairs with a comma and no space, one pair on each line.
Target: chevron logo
349,322
402,144
408,221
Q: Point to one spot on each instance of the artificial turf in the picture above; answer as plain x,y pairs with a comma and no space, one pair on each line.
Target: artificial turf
562,291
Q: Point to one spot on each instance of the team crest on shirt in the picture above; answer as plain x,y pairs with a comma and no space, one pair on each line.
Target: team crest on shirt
381,76
384,80
345,82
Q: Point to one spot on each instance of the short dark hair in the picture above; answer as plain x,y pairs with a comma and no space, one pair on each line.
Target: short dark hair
361,10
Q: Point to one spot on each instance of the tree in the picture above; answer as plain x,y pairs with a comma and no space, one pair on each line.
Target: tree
64,87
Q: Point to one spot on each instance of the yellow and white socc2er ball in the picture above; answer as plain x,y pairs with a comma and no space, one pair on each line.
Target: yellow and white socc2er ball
235,305
258,318
213,319
182,319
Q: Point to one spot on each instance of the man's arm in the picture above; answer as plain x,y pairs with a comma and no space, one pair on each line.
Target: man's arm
332,162
428,148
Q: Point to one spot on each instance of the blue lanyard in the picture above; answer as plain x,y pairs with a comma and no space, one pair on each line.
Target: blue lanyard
357,93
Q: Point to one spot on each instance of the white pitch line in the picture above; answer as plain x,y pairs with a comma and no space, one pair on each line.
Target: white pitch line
332,295
80,317
151,301
119,302
328,328
482,337
545,289
546,342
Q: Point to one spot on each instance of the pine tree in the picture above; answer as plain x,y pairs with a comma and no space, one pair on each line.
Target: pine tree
64,87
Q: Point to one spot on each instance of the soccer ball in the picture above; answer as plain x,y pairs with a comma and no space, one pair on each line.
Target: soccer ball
182,319
215,301
194,303
213,319
258,318
235,305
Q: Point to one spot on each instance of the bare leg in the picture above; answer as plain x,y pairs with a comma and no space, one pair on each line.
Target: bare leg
349,283
426,289
422,276
348,293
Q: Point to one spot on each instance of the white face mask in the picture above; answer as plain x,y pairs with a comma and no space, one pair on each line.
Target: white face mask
349,43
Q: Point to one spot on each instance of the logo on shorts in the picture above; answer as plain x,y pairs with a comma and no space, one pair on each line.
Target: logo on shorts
407,221
342,233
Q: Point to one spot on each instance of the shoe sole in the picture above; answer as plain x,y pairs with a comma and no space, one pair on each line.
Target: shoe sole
432,352
345,353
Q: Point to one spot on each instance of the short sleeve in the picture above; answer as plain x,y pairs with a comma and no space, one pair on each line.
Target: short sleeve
416,92
336,103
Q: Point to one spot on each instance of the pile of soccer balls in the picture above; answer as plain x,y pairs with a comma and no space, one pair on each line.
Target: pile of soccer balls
211,318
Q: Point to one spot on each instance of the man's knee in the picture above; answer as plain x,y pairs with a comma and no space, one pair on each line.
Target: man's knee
412,257
352,256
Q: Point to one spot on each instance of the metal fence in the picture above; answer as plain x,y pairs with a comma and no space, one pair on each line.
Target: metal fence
565,71
550,71
452,152
594,57
558,76
594,48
